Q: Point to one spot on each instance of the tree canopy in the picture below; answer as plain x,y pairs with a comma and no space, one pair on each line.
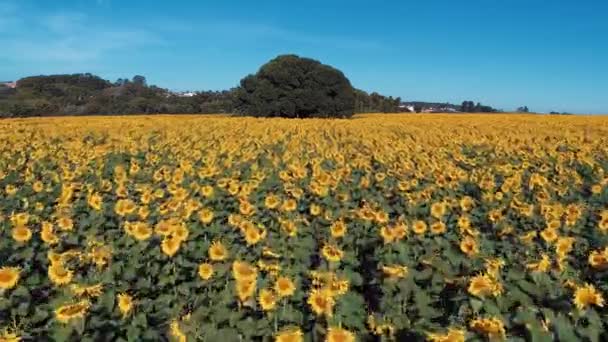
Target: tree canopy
295,87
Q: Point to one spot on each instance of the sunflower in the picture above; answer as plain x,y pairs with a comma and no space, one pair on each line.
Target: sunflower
438,228
419,227
599,260
217,251
243,271
289,227
170,246
181,233
291,334
47,234
163,228
205,271
493,328
21,234
65,223
452,335
267,299
381,217
289,204
20,219
125,304
245,289
587,295
60,275
7,336
66,313
563,246
332,253
549,235
395,271
484,286
315,210
272,201
438,210
206,190
321,302
337,334
466,203
141,231
9,276
38,186
527,238
92,291
124,207
468,246
253,235
284,287
338,229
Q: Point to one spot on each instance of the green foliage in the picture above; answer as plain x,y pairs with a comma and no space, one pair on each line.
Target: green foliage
294,87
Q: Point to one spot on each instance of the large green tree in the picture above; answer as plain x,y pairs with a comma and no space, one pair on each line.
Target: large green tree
295,87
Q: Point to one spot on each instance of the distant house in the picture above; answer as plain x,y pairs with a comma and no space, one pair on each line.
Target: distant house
406,108
9,84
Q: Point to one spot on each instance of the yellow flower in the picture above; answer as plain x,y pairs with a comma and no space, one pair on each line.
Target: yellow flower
68,312
21,234
338,229
468,246
217,251
315,210
332,253
124,207
141,231
205,215
9,276
170,246
125,304
549,235
599,260
176,332
38,186
321,302
91,291
242,271
493,328
587,295
291,334
484,286
438,210
284,287
438,228
245,289
95,201
388,234
272,201
206,190
267,299
205,271
47,234
542,266
563,246
60,275
419,227
253,235
7,336
289,204
395,271
453,335
289,227
164,228
336,334
527,238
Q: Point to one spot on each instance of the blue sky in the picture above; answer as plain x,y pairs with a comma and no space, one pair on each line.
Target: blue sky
548,55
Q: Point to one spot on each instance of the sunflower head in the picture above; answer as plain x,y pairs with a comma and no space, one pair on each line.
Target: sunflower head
9,277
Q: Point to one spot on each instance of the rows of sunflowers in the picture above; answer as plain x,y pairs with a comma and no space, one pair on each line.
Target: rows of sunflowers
382,227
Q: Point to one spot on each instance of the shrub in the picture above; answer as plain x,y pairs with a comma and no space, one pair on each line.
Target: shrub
294,87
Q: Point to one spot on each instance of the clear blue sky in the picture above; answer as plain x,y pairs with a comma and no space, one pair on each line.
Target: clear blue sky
548,55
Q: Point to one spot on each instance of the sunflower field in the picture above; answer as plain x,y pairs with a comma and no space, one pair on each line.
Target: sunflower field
379,228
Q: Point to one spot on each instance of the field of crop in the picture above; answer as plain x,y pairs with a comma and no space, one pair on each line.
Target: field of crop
383,227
